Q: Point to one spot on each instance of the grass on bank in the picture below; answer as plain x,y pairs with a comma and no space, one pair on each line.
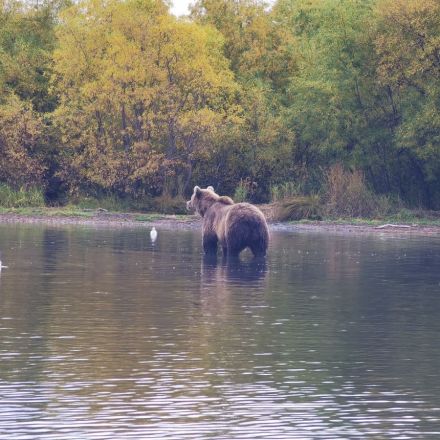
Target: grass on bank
44,211
347,200
405,216
78,212
31,202
22,197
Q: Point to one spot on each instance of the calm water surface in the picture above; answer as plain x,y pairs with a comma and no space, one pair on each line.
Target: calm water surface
104,335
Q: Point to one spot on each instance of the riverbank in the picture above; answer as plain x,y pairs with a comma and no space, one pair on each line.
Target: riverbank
97,217
103,218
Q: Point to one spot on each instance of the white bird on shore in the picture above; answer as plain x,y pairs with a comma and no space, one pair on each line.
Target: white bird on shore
153,234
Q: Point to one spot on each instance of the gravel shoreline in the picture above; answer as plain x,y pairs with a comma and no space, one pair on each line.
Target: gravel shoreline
102,220
116,220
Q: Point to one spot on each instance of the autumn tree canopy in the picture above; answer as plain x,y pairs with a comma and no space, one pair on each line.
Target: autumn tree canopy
141,94
120,97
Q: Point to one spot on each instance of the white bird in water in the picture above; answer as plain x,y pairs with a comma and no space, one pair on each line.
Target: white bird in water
2,267
153,234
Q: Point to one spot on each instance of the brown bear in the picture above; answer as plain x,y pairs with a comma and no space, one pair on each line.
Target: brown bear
235,226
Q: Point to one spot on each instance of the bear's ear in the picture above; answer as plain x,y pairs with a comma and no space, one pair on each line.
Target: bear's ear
211,188
197,191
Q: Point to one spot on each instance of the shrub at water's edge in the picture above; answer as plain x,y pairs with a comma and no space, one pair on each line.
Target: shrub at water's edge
296,208
345,195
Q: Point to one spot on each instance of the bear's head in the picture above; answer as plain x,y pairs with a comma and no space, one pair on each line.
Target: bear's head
203,199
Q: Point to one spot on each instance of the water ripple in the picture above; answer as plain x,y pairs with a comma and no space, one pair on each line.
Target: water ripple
104,336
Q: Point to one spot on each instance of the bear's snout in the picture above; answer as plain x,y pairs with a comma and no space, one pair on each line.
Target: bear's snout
188,205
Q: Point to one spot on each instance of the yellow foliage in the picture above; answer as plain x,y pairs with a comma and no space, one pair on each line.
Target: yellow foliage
137,85
256,42
409,44
21,141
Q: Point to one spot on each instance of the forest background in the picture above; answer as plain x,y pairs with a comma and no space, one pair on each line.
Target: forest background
330,103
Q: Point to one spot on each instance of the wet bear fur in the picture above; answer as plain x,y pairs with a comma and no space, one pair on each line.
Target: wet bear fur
233,226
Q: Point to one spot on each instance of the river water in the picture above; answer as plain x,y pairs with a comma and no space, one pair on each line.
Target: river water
104,334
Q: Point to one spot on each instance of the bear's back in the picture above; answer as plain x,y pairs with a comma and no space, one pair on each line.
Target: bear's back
245,212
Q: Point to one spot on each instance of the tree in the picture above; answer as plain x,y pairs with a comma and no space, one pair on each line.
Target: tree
142,94
408,45
22,140
255,43
263,57
26,42
338,108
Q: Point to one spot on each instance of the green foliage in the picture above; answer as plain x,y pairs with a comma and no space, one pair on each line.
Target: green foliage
26,42
241,193
284,190
112,202
148,217
22,197
69,211
166,204
417,216
408,45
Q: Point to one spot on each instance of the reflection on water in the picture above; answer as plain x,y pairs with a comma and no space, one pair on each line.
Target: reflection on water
103,333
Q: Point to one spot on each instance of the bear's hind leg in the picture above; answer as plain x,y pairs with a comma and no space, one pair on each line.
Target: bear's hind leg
210,244
236,241
234,249
258,250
